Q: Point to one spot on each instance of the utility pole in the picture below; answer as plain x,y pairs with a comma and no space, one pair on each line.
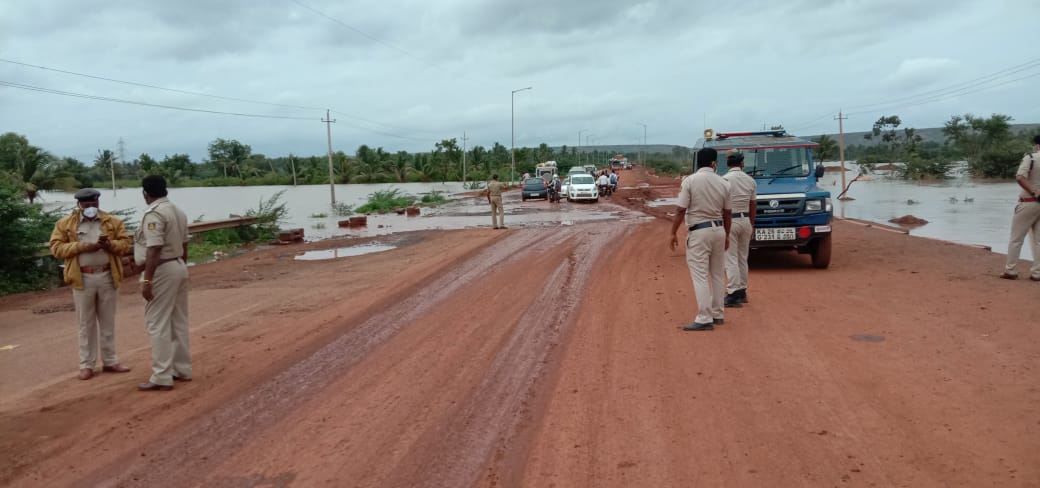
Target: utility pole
642,149
512,132
292,163
122,157
841,148
464,159
579,145
332,180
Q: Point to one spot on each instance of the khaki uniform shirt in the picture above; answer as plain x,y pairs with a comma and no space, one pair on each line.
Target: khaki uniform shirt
1032,177
89,230
494,188
163,225
742,189
704,195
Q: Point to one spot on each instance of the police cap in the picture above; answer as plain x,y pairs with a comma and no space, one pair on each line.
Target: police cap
87,195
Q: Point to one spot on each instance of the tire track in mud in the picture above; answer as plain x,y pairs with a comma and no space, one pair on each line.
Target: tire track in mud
204,444
485,429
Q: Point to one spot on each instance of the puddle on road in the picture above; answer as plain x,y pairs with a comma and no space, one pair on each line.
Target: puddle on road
342,252
664,202
867,338
475,213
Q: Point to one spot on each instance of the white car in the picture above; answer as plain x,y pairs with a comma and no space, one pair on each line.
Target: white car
582,187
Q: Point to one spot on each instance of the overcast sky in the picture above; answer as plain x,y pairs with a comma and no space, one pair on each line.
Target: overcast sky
403,74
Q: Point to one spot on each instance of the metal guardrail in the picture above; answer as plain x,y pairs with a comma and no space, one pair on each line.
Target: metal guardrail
221,224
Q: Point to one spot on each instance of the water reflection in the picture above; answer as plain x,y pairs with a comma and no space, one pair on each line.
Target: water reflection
342,252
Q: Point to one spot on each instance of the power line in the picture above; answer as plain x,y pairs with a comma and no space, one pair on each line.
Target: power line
361,32
209,95
962,85
133,102
947,96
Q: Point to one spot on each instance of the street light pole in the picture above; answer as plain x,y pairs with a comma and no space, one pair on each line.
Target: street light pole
512,133
643,149
579,145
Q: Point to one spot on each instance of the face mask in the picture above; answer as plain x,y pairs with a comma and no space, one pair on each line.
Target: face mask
90,212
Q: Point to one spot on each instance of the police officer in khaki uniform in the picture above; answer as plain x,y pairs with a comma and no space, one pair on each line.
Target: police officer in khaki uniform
494,196
161,247
1026,220
92,243
704,206
742,189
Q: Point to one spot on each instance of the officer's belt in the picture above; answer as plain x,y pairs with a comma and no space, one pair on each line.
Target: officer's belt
738,215
1023,200
705,225
93,269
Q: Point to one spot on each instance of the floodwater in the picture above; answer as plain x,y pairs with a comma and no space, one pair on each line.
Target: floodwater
960,209
307,204
342,252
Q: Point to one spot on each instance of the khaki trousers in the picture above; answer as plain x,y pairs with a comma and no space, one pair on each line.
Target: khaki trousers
166,319
737,254
1026,220
96,314
498,212
706,258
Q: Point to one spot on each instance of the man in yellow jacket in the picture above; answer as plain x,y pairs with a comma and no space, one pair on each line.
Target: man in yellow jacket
92,244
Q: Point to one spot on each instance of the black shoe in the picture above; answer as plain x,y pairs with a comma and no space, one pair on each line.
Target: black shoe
698,327
718,321
732,300
742,295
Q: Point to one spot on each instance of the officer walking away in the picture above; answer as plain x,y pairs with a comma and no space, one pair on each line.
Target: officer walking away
742,190
1026,220
494,196
704,206
161,247
92,242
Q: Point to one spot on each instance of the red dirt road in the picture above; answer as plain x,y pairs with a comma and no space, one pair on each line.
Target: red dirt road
548,357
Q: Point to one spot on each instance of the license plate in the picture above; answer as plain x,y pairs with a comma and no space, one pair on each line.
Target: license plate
781,234
532,194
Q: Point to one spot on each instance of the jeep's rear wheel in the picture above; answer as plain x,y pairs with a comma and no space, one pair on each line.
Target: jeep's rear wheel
821,252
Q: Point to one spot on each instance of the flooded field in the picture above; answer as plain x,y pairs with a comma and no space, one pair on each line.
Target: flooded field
959,210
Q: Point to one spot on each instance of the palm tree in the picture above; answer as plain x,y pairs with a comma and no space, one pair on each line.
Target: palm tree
826,150
29,164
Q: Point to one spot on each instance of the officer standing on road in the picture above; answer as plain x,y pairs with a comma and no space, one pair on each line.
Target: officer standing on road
704,206
1026,220
742,195
494,196
161,246
92,243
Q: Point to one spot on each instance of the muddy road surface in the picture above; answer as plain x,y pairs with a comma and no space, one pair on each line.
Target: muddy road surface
547,355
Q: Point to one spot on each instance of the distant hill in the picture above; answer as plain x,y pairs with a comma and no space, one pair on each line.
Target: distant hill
927,135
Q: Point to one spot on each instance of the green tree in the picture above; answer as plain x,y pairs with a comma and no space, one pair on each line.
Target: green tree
827,149
986,143
26,229
146,164
30,165
104,166
229,154
448,158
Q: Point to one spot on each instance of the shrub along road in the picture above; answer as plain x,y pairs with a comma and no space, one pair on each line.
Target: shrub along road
547,356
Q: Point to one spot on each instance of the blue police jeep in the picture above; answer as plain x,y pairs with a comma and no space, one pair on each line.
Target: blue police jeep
793,212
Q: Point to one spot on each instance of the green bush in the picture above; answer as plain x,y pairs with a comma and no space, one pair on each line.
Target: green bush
998,162
385,201
24,261
434,198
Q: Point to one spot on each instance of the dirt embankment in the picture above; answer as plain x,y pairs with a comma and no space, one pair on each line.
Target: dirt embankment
548,356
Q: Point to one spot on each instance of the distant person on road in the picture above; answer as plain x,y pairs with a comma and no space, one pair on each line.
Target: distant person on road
1026,221
92,244
161,247
742,196
704,206
494,196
